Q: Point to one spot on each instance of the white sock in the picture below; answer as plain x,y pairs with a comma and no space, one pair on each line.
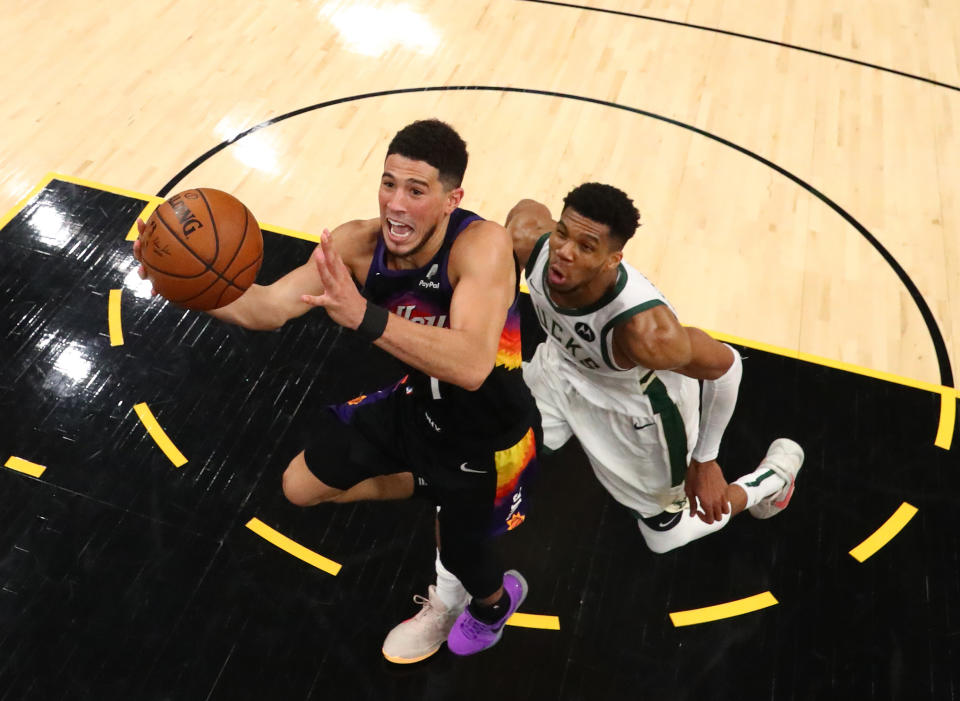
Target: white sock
449,589
760,484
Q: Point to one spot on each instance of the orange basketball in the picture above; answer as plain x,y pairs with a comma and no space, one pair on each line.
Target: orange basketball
201,249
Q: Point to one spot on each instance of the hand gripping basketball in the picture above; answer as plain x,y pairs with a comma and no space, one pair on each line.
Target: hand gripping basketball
201,249
141,271
340,297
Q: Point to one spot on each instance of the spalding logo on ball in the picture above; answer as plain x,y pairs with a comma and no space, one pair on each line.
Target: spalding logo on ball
201,249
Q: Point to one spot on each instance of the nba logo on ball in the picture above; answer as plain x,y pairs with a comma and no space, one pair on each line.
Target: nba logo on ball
584,332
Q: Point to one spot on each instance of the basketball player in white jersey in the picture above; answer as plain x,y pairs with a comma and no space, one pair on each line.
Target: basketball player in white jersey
621,373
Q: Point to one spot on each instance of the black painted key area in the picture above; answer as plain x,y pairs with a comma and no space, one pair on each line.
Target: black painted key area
123,576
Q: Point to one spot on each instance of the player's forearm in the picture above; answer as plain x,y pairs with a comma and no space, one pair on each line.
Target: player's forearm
450,355
258,310
718,402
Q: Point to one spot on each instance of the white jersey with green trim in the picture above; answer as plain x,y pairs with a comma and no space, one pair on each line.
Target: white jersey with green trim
580,341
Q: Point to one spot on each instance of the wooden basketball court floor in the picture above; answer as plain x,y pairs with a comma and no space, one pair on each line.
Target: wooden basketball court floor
796,166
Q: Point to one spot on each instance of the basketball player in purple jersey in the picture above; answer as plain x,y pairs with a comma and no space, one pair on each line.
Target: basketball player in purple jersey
439,292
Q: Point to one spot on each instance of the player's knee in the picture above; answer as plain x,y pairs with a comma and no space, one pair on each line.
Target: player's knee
293,490
301,488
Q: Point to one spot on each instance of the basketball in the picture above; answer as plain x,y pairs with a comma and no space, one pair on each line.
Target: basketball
201,249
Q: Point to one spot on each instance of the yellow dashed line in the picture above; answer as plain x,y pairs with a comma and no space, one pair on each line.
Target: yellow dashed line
113,318
532,620
885,533
948,418
727,610
161,439
24,466
292,547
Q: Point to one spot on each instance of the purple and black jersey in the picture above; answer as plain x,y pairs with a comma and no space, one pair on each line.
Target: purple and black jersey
501,410
421,295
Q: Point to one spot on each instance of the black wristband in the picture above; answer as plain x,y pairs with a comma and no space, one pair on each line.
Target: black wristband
374,322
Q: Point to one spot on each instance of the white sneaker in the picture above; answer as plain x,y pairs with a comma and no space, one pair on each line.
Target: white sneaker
785,458
419,637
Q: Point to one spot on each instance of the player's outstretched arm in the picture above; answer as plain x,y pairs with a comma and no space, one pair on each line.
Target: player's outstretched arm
268,307
482,274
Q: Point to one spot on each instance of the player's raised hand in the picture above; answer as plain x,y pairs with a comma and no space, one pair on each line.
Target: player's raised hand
340,297
706,485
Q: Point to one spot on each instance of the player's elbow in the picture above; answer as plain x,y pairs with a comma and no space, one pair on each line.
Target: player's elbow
473,375
472,381
713,373
718,363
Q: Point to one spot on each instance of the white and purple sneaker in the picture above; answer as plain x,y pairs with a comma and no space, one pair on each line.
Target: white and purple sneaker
470,635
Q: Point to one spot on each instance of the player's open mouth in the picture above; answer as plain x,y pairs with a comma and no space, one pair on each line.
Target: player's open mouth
554,276
398,231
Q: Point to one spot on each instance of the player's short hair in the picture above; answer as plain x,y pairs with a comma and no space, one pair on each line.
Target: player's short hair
606,204
436,143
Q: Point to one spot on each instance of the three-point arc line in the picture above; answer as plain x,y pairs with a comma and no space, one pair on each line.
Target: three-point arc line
533,620
158,435
24,466
868,547
885,533
720,611
113,318
294,548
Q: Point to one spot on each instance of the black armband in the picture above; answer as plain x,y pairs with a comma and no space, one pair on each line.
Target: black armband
374,322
